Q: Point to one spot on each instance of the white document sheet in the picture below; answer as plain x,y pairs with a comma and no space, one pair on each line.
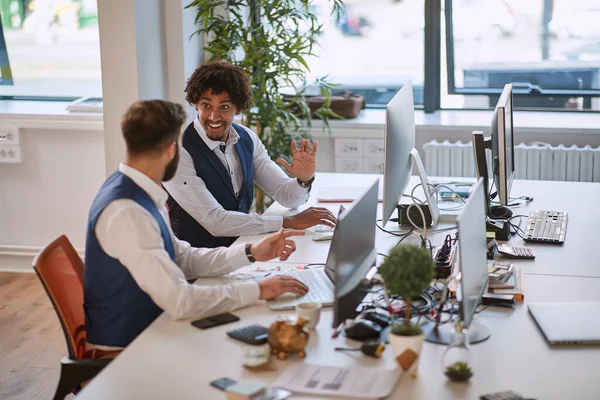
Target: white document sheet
364,383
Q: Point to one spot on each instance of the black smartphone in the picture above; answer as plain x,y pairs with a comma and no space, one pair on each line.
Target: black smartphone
222,383
215,320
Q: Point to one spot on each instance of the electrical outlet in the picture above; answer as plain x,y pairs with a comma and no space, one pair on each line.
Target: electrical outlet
348,147
373,165
349,164
10,154
9,136
374,147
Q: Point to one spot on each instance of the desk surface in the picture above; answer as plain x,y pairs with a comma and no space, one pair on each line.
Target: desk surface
175,360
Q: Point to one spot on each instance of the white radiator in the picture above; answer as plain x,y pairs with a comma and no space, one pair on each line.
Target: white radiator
536,161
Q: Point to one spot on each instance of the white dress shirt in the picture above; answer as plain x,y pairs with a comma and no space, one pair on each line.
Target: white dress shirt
190,192
129,233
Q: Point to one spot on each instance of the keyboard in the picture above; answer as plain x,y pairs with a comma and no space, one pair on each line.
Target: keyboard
546,227
320,289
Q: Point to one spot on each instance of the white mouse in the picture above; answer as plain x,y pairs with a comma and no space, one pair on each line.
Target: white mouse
318,237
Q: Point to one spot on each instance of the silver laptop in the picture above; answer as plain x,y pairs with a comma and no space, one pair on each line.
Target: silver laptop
566,324
321,281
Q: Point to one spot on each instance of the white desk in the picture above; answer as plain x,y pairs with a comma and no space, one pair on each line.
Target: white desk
175,360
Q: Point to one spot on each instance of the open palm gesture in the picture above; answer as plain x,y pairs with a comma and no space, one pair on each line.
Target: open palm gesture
303,160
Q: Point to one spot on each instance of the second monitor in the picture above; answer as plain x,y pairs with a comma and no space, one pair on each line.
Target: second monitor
400,153
503,158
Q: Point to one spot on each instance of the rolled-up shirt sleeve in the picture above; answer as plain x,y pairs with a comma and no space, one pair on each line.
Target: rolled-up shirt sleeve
191,193
273,180
130,234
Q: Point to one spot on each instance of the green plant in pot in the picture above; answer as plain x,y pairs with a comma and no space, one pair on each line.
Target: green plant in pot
407,271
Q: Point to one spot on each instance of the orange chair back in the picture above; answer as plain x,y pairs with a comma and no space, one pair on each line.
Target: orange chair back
60,269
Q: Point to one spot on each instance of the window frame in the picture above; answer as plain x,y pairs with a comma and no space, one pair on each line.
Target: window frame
4,60
529,90
7,67
432,84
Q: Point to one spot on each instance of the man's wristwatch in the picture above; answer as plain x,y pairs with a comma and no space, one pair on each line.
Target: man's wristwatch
306,184
249,253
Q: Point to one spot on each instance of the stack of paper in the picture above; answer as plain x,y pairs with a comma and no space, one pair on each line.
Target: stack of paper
517,291
364,383
501,275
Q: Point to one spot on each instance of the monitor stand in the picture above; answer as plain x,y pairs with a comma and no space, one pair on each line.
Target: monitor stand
443,334
429,199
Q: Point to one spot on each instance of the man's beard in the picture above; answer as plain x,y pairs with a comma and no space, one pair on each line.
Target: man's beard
171,167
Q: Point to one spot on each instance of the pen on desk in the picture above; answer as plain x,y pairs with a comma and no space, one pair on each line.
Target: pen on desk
337,331
267,274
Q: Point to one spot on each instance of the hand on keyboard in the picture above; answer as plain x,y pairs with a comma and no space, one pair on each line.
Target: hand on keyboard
277,285
310,217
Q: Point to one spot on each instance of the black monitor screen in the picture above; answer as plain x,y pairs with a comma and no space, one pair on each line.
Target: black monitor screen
509,142
352,253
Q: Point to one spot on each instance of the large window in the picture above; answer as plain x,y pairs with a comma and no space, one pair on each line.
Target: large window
51,49
548,49
374,49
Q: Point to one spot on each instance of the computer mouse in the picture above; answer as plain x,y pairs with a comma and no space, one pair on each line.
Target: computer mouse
381,318
362,329
319,237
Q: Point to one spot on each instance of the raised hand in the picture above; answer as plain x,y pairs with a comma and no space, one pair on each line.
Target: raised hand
275,245
303,160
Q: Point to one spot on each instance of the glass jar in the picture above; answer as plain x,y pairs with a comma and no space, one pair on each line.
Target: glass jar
456,360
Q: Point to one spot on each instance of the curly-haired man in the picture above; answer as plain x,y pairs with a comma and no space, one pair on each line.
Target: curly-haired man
212,192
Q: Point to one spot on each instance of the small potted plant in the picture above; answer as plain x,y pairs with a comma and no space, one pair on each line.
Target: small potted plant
407,272
457,356
459,371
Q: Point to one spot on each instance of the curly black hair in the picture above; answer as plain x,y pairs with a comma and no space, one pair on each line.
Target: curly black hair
220,77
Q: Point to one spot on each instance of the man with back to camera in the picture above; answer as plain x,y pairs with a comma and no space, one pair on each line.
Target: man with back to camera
212,192
135,267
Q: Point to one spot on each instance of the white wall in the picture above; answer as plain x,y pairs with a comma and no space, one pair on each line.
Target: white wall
49,193
146,53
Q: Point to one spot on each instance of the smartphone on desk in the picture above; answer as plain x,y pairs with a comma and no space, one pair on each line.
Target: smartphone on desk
215,320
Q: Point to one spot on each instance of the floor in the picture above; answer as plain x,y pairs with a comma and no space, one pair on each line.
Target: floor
31,339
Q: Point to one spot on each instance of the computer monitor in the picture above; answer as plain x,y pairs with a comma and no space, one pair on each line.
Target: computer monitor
481,167
503,160
472,256
497,214
472,251
399,141
352,254
399,155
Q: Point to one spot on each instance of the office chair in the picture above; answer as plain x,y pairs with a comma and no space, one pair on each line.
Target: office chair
60,270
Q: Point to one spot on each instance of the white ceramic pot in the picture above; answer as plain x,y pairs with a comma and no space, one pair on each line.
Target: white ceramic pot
406,350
